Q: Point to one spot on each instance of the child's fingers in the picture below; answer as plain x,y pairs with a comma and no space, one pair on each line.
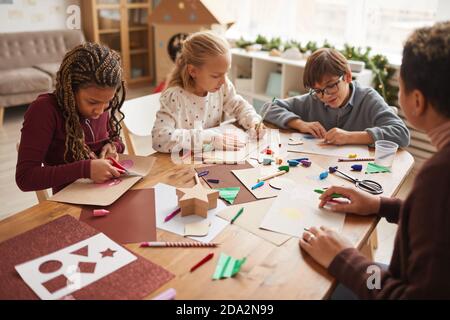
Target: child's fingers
314,132
116,172
304,245
113,155
320,130
323,131
102,154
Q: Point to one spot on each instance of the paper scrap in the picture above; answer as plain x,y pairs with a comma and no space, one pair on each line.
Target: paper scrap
375,168
197,229
229,194
227,266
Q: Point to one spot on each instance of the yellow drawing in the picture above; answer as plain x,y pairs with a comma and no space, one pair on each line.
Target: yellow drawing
291,213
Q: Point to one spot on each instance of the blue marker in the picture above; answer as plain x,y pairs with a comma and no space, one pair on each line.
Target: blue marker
259,184
203,173
357,167
323,175
293,163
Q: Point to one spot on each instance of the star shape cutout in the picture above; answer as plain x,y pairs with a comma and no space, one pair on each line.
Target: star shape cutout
198,192
201,196
108,253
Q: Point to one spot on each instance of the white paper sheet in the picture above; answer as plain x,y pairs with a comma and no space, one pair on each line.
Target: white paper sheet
314,146
297,209
252,146
71,267
166,202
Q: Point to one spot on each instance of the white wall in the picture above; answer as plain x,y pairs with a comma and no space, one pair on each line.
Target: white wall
34,15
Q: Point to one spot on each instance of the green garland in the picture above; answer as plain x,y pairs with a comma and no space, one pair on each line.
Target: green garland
378,63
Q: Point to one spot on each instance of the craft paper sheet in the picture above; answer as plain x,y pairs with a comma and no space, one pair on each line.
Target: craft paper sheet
251,218
62,272
227,179
252,146
314,145
85,191
297,209
167,202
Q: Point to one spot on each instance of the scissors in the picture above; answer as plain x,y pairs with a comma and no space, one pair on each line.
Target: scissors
117,165
370,186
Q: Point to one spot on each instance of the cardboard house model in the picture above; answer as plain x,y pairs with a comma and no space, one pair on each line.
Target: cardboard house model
174,20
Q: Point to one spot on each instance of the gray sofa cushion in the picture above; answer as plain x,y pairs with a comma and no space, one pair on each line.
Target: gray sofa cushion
24,80
25,49
49,68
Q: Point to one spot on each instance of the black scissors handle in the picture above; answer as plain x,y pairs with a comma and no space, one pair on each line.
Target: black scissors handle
370,186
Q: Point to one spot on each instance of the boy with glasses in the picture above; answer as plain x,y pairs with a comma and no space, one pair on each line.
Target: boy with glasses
336,108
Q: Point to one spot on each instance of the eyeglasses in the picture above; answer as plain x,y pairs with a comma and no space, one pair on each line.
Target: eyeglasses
329,90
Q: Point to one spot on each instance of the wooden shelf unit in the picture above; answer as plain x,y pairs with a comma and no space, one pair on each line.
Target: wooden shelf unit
123,25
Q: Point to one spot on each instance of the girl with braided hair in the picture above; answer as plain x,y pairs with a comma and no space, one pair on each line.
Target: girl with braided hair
68,134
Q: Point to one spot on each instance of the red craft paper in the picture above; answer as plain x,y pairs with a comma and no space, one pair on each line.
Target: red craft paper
227,179
131,218
133,281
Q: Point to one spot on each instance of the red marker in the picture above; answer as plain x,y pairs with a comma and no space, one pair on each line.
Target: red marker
203,261
173,214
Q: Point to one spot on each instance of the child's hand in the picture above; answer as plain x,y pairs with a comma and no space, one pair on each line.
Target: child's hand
227,142
314,128
257,131
102,170
92,155
323,244
338,136
361,203
109,150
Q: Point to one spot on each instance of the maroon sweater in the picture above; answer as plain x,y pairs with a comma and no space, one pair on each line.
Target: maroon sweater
40,163
420,265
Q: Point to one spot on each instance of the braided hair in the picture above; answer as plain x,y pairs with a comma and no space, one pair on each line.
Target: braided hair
89,64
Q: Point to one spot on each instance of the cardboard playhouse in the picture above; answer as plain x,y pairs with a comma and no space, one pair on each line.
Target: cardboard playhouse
174,20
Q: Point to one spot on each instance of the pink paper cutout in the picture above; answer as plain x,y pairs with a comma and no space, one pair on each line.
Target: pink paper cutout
127,164
50,266
110,183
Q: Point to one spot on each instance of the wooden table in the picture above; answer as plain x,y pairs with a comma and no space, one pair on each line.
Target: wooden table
270,272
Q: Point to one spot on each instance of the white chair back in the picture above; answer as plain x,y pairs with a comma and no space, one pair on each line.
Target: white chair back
140,114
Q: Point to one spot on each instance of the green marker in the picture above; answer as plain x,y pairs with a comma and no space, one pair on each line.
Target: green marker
237,215
334,195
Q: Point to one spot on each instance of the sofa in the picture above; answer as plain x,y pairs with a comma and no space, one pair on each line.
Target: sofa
29,62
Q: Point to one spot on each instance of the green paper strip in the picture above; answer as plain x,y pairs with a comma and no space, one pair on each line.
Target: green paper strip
229,194
375,168
227,267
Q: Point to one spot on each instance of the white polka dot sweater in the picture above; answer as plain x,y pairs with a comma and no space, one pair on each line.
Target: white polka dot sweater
184,117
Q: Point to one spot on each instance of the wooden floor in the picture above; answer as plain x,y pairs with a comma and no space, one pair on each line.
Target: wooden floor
12,200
